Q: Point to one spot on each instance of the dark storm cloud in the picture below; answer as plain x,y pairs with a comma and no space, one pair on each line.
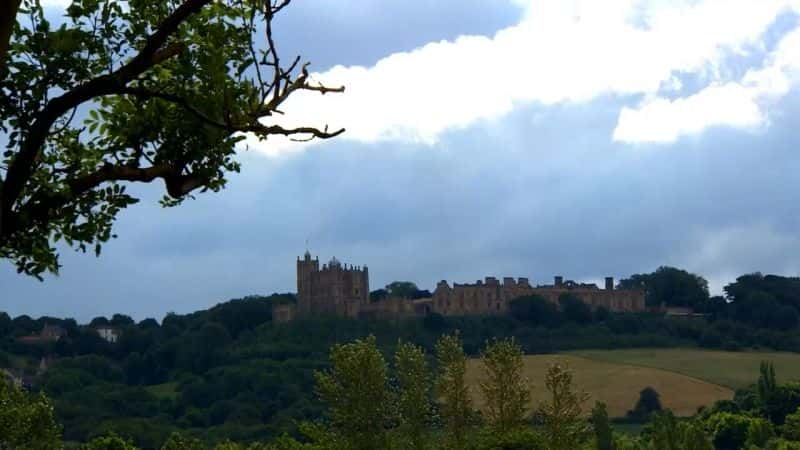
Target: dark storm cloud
535,194
542,191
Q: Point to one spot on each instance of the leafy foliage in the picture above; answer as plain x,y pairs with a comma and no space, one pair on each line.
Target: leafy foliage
26,422
506,390
455,402
603,433
356,392
669,286
414,394
169,90
563,427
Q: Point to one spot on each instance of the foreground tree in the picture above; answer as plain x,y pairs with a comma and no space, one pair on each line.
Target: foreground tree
767,384
26,422
413,400
563,426
169,89
603,433
110,442
505,388
451,386
668,433
356,393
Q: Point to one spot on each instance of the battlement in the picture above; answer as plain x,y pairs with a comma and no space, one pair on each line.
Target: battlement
489,296
333,289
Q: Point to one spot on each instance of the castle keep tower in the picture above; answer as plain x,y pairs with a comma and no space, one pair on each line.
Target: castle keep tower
335,289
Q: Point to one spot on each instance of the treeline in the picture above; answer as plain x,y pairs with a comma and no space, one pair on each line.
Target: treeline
229,373
192,376
420,401
763,301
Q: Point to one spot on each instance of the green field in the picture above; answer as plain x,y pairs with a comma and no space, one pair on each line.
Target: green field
614,383
686,378
730,369
164,390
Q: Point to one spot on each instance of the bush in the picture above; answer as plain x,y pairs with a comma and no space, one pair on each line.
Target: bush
520,439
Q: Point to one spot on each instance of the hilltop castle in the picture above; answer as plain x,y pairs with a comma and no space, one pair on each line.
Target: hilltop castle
341,290
336,289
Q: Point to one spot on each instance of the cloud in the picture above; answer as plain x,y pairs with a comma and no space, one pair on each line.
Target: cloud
55,3
488,200
560,52
743,103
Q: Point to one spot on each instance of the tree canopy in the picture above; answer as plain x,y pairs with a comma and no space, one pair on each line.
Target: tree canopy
168,90
669,286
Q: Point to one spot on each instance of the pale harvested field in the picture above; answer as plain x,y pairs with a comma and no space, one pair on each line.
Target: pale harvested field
617,385
732,369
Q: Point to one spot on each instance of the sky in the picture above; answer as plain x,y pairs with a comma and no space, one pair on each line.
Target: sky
485,138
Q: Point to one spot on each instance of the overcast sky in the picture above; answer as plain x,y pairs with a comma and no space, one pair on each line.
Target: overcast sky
486,137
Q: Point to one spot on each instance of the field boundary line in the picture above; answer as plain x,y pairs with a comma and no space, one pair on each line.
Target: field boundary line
648,366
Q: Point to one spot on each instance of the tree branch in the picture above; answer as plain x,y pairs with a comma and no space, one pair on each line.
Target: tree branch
147,94
151,54
253,127
40,208
8,17
265,130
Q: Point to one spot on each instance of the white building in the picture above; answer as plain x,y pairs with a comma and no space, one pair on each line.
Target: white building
109,334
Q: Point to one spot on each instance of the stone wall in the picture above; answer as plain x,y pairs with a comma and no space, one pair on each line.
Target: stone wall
490,297
334,289
342,290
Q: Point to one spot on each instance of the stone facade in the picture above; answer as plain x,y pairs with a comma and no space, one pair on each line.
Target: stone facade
341,290
490,296
335,289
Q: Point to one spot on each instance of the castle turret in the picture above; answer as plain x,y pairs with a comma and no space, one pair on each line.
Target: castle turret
306,267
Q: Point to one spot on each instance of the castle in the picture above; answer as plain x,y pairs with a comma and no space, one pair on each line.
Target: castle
339,290
336,289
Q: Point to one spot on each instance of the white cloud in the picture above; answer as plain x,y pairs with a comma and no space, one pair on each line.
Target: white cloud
562,51
662,120
55,3
743,103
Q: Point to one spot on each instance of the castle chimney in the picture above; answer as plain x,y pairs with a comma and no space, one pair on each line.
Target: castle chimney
559,280
609,283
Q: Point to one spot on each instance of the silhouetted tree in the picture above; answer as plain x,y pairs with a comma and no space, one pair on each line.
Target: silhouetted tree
669,286
649,402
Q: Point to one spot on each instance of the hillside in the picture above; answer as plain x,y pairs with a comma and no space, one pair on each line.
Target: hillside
616,384
731,369
230,373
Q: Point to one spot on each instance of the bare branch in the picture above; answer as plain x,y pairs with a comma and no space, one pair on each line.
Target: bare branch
266,130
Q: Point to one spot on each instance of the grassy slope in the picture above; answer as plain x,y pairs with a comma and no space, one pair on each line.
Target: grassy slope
164,390
617,385
731,369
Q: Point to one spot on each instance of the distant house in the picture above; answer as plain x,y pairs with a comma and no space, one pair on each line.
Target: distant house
53,332
50,333
675,311
110,334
